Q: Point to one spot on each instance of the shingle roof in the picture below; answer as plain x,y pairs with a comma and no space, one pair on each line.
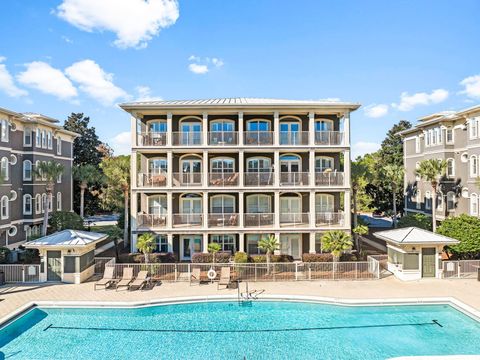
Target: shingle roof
67,238
414,235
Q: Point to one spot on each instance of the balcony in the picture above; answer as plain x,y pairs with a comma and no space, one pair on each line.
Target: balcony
158,179
187,219
223,220
222,138
328,219
258,178
329,178
187,138
294,178
187,179
223,179
153,139
258,219
151,220
294,219
328,138
258,138
294,138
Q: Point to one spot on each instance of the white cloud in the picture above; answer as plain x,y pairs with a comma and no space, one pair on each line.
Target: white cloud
472,86
121,143
408,102
217,62
95,82
198,69
134,22
361,148
7,83
67,39
194,58
45,78
144,93
376,111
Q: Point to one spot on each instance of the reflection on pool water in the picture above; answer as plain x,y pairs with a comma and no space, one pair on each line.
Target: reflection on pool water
228,330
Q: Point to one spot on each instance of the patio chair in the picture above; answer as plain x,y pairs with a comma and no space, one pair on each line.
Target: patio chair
107,280
127,278
140,281
195,276
225,279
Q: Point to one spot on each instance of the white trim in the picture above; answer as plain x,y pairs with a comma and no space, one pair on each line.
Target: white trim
7,207
31,204
25,178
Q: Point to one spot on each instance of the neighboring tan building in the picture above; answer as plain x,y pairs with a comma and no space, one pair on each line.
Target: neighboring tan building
453,137
25,140
235,170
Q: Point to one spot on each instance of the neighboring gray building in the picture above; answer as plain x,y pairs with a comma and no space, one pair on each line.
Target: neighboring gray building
25,140
453,136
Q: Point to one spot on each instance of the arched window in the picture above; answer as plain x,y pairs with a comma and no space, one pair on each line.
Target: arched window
324,203
157,204
4,168
474,205
428,200
222,125
49,140
38,174
157,166
450,167
59,145
191,204
44,176
44,200
222,204
50,202
323,125
290,163
27,204
157,126
418,199
4,131
473,166
222,132
190,131
440,201
259,164
258,125
4,207
38,204
59,201
259,203
323,163
450,201
290,131
44,139
222,165
27,170
290,208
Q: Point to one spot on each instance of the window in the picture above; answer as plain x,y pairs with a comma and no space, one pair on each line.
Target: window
157,205
38,141
27,137
157,166
38,204
474,205
258,125
411,261
59,201
252,243
473,166
222,204
418,199
59,145
49,140
450,201
44,201
417,166
428,200
449,136
50,202
318,243
222,165
427,138
59,178
44,176
44,139
473,128
258,204
4,168
323,125
417,144
324,203
161,243
27,170
4,130
28,232
433,134
4,207
37,168
27,204
259,165
439,136
440,201
226,241
157,126
323,163
450,168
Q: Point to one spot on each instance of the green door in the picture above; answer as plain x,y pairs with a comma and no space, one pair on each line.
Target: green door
54,266
428,262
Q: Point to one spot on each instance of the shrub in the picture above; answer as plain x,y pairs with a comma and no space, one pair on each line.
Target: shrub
466,229
348,257
154,258
325,257
62,220
273,258
241,257
421,221
4,252
205,258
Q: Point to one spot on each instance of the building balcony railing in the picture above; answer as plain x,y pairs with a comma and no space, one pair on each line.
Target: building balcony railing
258,138
294,219
258,178
328,137
223,220
187,138
155,179
333,178
294,178
188,219
221,138
152,139
258,219
151,220
329,219
187,179
293,138
223,179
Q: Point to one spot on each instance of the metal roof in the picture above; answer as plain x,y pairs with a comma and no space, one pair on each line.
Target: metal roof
75,238
414,235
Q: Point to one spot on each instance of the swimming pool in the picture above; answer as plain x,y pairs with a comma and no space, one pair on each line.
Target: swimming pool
229,330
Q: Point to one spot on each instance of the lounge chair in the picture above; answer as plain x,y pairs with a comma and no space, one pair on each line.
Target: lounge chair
127,278
140,281
107,279
195,276
224,277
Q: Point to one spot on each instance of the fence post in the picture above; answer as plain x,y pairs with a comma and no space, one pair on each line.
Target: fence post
356,271
190,271
458,269
333,270
255,267
296,271
23,274
378,268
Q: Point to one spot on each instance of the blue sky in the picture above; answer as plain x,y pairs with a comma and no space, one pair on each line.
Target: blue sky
399,59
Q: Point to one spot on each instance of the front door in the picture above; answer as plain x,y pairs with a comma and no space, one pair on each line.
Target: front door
290,245
54,266
189,245
289,168
191,171
428,262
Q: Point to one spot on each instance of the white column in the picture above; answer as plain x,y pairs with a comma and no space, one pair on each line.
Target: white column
169,169
241,242
133,170
347,164
241,210
170,242
346,206
205,242
240,128
311,204
277,236
241,168
169,210
276,209
346,128
276,168
133,218
311,128
276,128
205,129
169,129
311,241
133,131
205,209
205,169
311,168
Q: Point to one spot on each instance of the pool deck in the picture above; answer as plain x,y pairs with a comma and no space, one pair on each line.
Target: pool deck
467,291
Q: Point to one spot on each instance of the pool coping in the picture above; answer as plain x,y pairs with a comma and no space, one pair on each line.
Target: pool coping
452,301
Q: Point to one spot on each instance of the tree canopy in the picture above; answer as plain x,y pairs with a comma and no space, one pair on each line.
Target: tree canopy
419,220
466,229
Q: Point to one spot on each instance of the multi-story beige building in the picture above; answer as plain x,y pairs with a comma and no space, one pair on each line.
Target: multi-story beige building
453,137
235,170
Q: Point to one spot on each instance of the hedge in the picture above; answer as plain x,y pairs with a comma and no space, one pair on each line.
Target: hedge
273,258
324,257
206,258
154,258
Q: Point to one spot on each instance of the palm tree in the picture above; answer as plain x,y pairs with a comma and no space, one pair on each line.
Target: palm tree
48,172
86,175
336,241
115,233
432,170
394,174
213,248
146,244
269,245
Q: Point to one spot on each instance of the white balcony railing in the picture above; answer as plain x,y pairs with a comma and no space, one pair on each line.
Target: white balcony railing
258,219
152,139
294,219
258,178
258,138
328,219
187,179
332,178
151,220
222,138
223,179
294,178
188,219
155,179
187,138
294,138
223,220
329,137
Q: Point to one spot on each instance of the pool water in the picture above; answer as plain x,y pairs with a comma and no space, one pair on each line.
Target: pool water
228,330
